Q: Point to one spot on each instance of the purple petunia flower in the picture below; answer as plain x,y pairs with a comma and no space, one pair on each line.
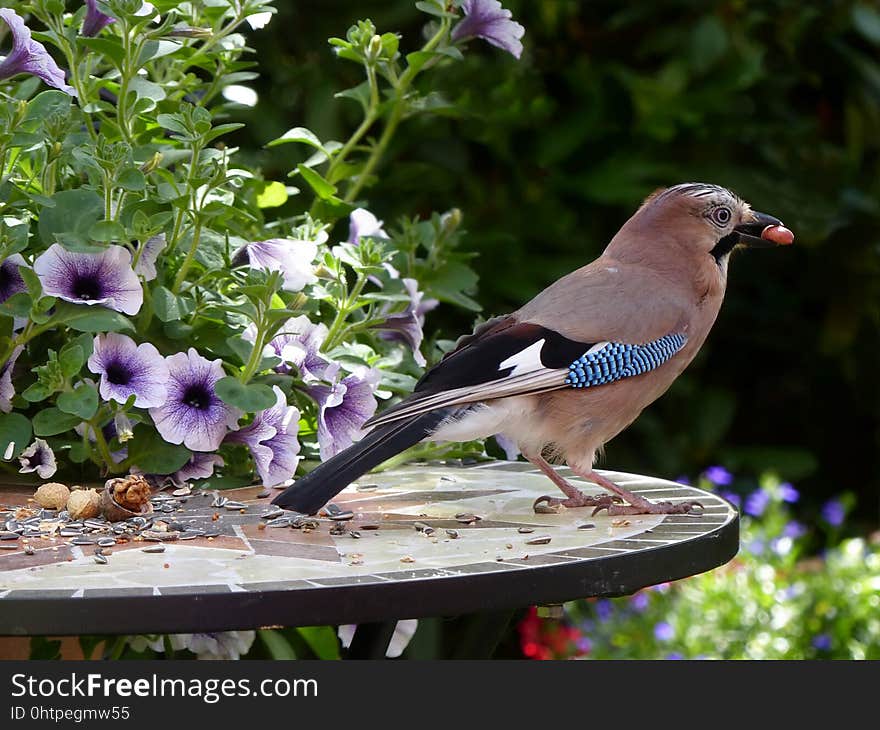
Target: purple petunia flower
822,642
663,631
731,497
39,458
271,438
486,19
756,547
363,224
833,512
718,475
193,414
7,389
95,21
10,279
794,530
757,502
604,609
91,278
27,56
788,493
199,466
406,326
292,258
640,601
343,407
128,369
298,343
145,263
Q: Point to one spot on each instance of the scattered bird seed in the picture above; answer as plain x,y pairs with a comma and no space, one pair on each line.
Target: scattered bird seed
525,530
422,527
466,518
407,559
539,540
272,513
367,487
355,534
369,527
28,550
188,536
8,547
279,522
338,529
332,509
82,540
219,501
234,505
342,516
154,549
107,541
11,535
545,509
101,559
182,492
586,526
453,534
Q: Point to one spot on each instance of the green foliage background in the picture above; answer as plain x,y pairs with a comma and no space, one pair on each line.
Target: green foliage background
547,157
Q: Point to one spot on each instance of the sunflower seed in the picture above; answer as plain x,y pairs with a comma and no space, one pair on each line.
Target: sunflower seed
453,534
82,540
332,509
155,535
338,529
195,531
11,535
539,540
342,516
183,491
107,541
188,536
422,527
154,549
211,533
279,522
9,547
67,532
586,526
219,501
466,518
525,530
545,509
367,487
355,534
234,505
96,524
272,513
28,550
369,527
101,559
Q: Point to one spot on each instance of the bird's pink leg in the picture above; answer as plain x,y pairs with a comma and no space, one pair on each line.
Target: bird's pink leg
575,497
636,505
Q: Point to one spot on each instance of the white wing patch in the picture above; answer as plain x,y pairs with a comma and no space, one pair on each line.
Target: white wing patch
524,361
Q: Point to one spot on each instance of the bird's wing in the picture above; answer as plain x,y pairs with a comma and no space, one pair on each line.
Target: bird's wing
515,355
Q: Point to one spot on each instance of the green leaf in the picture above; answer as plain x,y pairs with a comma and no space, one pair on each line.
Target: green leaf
359,93
322,640
71,359
131,179
32,281
107,231
91,318
250,398
82,402
173,123
18,305
36,392
298,134
143,89
14,429
47,104
272,195
152,455
277,646
867,21
322,188
52,421
166,305
79,453
74,213
108,46
220,130
152,50
240,347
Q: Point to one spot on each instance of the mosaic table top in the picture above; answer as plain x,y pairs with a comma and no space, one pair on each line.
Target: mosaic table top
420,540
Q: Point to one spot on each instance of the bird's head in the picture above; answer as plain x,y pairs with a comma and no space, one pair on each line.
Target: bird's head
705,220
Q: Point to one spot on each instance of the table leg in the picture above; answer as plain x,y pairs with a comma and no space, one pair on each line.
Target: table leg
482,634
371,641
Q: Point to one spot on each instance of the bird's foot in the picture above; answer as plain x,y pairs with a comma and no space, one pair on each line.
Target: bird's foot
644,507
601,501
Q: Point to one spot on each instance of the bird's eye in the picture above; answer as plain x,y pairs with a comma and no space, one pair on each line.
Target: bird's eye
721,216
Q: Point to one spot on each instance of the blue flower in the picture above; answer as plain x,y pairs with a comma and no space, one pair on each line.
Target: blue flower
822,642
788,493
27,56
833,512
757,502
732,497
486,19
663,631
604,609
718,475
344,405
640,601
675,655
794,530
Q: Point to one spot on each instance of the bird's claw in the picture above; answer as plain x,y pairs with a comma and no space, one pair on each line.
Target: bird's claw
654,508
601,501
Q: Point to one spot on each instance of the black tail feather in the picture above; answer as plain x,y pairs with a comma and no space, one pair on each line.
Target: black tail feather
320,485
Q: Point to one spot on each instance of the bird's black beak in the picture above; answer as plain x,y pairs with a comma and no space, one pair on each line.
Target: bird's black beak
764,231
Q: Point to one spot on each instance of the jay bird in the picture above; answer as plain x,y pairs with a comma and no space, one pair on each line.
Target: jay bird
576,365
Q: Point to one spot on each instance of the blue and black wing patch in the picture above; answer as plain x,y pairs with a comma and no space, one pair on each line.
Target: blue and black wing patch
610,361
